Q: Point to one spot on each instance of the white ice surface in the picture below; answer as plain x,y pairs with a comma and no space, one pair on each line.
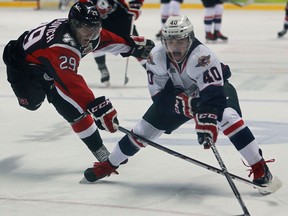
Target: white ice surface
42,160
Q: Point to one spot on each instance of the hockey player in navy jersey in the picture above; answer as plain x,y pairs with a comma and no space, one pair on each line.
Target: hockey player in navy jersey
43,62
187,81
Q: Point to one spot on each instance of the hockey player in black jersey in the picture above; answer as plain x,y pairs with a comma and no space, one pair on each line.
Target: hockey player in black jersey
43,63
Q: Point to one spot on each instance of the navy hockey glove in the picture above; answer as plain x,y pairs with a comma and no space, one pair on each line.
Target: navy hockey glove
141,47
206,128
104,114
134,8
183,105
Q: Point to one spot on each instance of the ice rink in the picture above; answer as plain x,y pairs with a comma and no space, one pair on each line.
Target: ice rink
42,160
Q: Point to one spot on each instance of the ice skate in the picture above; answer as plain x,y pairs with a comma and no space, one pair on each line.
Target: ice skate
105,77
263,176
210,38
158,35
219,35
282,33
261,172
99,171
63,5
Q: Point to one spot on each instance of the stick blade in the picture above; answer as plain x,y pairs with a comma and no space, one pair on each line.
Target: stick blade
274,185
126,80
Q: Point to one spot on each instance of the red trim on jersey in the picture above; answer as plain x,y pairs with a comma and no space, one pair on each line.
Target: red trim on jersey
234,127
137,142
83,124
68,81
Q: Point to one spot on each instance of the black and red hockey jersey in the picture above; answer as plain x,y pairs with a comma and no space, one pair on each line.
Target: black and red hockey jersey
52,46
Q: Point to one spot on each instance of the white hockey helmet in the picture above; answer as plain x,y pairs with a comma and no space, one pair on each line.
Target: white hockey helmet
177,27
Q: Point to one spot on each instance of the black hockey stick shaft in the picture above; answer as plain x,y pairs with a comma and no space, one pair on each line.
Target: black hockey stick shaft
229,179
238,3
126,78
235,3
189,159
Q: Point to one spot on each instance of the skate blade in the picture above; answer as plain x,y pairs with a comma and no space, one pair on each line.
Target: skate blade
272,187
243,215
85,181
105,84
216,41
211,41
222,41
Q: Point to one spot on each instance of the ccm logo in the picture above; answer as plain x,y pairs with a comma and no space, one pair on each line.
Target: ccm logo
207,115
100,106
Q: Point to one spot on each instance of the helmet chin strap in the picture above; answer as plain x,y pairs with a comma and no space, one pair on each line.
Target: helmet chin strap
164,43
184,56
178,62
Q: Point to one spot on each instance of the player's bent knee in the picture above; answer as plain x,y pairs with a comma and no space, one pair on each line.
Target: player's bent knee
29,94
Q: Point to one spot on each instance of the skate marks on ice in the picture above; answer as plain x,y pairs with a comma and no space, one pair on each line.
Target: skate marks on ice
13,168
265,132
51,133
117,86
157,194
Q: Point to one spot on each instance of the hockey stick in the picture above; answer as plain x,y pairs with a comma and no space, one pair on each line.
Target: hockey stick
229,179
264,189
240,4
126,78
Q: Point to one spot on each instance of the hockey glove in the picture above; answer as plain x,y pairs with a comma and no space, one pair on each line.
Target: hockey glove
141,47
134,8
136,4
206,128
103,8
104,114
183,105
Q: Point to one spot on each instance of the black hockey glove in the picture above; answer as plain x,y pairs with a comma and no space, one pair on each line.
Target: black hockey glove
141,47
183,105
103,7
206,128
226,71
104,114
136,4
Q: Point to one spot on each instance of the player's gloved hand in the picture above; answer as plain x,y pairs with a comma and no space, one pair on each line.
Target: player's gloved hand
136,4
183,105
104,114
206,128
135,8
141,47
103,7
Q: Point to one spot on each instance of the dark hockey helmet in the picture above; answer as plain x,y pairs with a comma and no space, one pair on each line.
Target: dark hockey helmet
85,14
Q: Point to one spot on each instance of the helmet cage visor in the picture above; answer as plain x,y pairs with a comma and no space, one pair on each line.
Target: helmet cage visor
94,27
